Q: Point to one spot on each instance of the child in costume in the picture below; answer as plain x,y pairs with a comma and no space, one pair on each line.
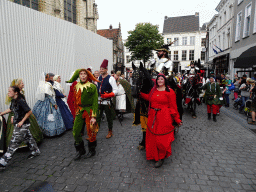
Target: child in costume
86,106
21,131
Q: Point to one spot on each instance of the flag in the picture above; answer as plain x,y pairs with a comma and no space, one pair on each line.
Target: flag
219,48
215,51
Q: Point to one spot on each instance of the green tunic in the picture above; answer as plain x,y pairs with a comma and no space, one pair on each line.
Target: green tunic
212,89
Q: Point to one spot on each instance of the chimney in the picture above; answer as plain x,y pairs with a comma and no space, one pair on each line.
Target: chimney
110,27
165,17
197,14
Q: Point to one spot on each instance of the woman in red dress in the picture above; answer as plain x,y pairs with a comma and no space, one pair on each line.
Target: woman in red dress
162,113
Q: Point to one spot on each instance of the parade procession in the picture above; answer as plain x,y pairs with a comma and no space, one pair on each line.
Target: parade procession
87,109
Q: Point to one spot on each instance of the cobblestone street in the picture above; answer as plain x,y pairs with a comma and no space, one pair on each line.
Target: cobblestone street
207,156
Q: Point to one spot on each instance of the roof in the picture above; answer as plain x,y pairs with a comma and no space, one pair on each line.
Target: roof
188,23
203,28
108,33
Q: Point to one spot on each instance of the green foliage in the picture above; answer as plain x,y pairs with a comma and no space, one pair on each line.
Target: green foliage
143,40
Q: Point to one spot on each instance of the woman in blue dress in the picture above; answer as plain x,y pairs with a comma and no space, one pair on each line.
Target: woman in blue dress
62,103
46,110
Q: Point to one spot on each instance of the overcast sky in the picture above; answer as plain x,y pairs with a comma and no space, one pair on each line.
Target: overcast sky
131,12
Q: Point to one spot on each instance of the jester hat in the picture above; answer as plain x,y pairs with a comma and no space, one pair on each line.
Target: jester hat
75,76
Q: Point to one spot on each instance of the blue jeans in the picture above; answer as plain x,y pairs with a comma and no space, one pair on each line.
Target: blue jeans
226,98
244,99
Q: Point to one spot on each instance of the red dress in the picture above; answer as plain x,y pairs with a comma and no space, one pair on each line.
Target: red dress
159,136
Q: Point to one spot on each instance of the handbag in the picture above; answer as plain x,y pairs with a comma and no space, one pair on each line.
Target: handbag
228,92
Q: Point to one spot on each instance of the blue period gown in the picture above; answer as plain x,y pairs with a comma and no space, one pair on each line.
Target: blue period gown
48,118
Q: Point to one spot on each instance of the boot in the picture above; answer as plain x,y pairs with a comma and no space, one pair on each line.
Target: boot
80,150
142,144
159,163
214,118
92,146
110,134
209,116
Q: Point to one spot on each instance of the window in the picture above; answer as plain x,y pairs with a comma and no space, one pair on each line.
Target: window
169,40
192,40
238,26
191,55
184,55
70,10
28,3
239,1
202,55
176,56
224,39
210,50
184,40
225,17
176,41
247,20
203,42
220,23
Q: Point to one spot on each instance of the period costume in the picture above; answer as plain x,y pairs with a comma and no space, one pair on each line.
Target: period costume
62,104
48,118
160,132
33,128
20,108
86,106
212,98
2,134
107,89
124,101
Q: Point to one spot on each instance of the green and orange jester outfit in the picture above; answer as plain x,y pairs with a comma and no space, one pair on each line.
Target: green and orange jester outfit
86,106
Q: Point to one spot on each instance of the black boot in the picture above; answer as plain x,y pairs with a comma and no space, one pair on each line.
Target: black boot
214,118
159,163
209,116
80,150
142,144
92,149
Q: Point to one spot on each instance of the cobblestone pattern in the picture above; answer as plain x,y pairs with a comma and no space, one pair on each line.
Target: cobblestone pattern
207,156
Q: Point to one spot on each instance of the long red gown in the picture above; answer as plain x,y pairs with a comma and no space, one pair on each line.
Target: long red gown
159,146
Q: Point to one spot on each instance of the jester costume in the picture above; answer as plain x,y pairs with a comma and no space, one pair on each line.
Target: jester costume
85,105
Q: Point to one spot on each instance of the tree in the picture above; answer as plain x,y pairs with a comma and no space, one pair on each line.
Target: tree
143,40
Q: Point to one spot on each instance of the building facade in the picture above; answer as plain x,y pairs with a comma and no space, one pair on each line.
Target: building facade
189,40
220,30
80,12
244,37
118,47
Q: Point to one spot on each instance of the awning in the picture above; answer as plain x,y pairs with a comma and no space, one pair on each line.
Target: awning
247,59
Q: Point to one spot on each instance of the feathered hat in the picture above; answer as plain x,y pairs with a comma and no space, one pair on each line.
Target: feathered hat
76,75
165,48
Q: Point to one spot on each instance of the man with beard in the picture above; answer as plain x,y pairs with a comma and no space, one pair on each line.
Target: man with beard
107,89
164,64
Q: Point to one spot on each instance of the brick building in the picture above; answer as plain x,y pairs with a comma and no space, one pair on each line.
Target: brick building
118,48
